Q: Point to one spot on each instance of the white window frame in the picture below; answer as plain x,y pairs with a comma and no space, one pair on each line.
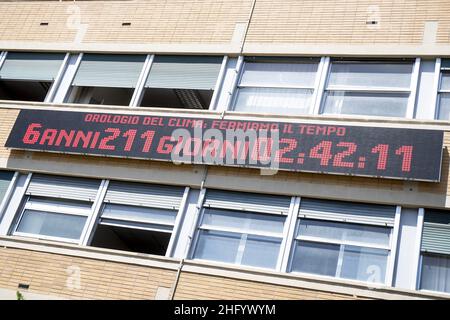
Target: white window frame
391,247
411,91
52,209
438,90
240,70
281,236
138,93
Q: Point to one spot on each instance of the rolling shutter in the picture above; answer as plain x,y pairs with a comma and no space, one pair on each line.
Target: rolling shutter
63,187
114,71
347,212
251,202
5,180
178,72
146,195
436,232
31,66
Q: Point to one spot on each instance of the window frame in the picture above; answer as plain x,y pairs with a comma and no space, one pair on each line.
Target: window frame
390,261
411,91
50,209
315,88
439,92
281,236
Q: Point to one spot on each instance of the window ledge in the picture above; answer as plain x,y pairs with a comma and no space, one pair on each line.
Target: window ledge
229,115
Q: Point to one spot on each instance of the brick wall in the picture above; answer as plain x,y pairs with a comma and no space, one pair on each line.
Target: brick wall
48,274
198,286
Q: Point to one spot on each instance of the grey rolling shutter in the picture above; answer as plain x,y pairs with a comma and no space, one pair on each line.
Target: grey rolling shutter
250,202
445,64
436,232
5,180
31,66
146,195
114,71
347,212
178,72
63,187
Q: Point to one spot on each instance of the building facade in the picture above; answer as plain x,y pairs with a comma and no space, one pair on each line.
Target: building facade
94,206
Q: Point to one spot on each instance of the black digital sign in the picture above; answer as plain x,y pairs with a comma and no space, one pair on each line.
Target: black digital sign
410,154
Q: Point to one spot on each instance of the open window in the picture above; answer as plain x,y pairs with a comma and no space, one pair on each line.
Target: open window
28,76
106,79
137,217
181,82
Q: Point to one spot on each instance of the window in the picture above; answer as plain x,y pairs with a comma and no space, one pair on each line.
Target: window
28,76
444,91
283,86
106,79
138,217
242,229
372,88
350,240
435,251
56,208
181,82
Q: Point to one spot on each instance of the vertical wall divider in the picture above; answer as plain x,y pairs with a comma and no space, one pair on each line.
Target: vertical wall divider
219,84
192,233
86,235
323,76
59,76
416,268
63,89
2,58
237,76
178,221
413,90
288,235
394,245
138,91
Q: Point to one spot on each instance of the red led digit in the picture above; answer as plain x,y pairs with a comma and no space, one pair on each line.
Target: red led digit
148,136
323,152
291,145
351,148
406,151
115,132
32,135
130,135
262,149
382,150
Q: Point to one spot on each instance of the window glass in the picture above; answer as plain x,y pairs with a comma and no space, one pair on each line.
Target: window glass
52,224
344,232
445,81
59,203
393,75
273,100
245,222
444,106
366,264
279,74
364,103
435,273
317,258
238,248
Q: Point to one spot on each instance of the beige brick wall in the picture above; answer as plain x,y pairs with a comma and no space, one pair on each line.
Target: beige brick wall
152,21
47,273
335,21
198,286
